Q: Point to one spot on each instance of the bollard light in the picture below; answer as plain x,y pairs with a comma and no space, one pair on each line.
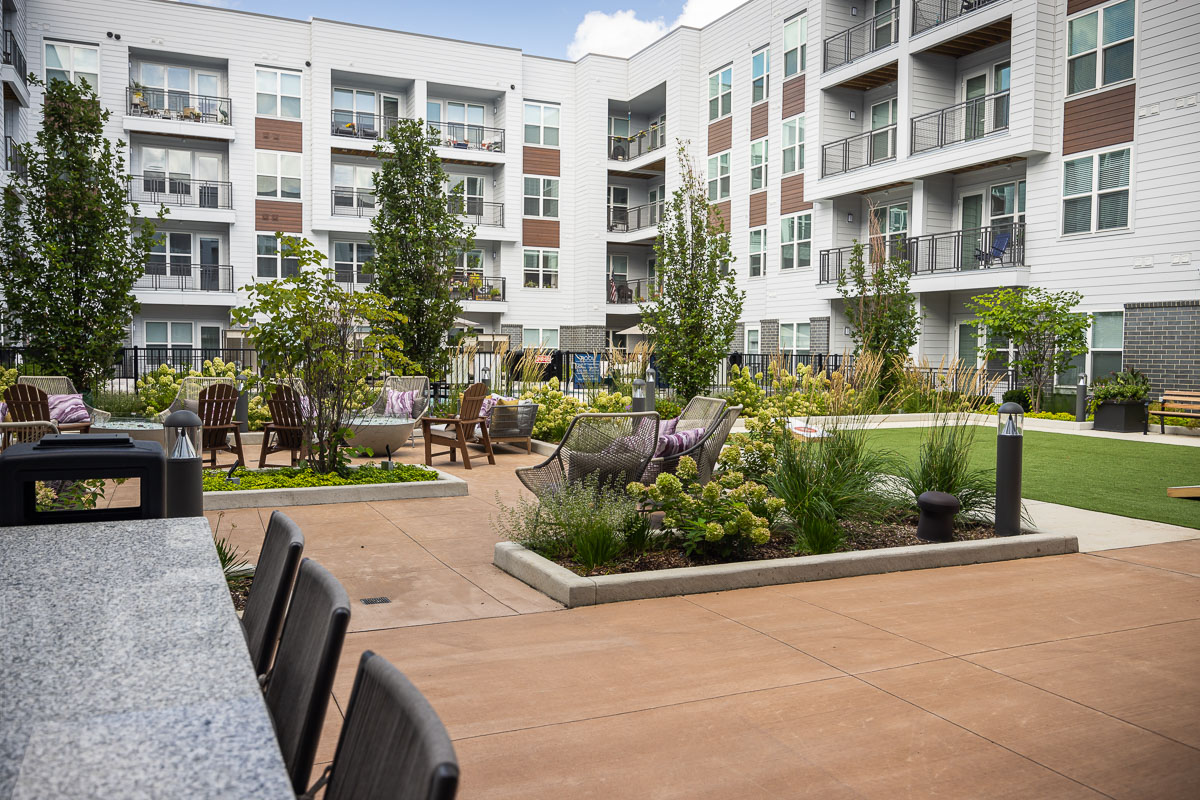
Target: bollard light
639,395
242,410
185,464
1081,398
652,387
1009,436
485,375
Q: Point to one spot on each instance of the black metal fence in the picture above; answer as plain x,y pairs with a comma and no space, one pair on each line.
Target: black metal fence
13,56
176,105
627,148
963,122
931,13
154,188
624,219
865,38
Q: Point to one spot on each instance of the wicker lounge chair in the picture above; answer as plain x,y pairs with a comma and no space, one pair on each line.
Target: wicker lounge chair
457,432
218,402
705,452
61,384
16,432
189,394
512,424
614,447
371,427
700,412
285,431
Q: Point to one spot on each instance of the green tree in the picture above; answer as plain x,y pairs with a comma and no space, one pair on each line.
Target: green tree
417,236
70,252
1044,328
696,314
308,327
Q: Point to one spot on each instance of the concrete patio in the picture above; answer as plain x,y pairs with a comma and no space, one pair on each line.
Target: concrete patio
1066,676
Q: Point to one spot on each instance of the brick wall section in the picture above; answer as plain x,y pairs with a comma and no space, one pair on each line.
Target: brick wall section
581,338
514,334
1163,341
818,335
739,338
768,337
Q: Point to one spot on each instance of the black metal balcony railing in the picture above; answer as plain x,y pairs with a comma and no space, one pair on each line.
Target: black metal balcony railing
622,219
351,202
477,287
621,290
876,33
856,152
931,13
173,105
627,148
12,157
462,136
992,247
358,275
186,277
13,56
359,124
477,211
972,119
154,188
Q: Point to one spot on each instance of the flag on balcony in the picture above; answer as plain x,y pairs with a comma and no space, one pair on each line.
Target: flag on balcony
612,290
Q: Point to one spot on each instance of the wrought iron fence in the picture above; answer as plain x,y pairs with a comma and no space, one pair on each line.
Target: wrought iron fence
12,157
876,33
477,210
964,122
175,105
623,219
622,290
359,124
975,248
14,57
173,277
350,202
477,287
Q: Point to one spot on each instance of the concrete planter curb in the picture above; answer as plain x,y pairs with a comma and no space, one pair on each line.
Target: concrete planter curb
573,590
445,486
544,448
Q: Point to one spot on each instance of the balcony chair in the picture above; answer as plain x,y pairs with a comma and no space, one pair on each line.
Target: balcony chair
217,404
286,425
614,447
61,384
268,599
458,431
999,245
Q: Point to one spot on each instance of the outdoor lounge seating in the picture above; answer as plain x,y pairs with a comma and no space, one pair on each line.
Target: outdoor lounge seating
61,384
29,404
16,432
512,424
459,431
218,403
613,447
285,431
1175,404
373,429
704,452
996,251
267,602
188,396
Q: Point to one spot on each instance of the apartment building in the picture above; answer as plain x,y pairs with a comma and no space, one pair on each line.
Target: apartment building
994,142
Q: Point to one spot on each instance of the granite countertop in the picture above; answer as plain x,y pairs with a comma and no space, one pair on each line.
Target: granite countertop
125,670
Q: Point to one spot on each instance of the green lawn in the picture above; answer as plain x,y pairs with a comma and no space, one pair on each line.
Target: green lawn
1116,476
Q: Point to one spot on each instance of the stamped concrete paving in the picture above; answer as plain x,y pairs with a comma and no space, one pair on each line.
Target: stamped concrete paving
1071,676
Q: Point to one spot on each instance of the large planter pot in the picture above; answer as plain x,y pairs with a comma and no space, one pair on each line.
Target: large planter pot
1120,417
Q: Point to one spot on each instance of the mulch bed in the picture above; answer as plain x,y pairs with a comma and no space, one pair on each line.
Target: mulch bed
239,590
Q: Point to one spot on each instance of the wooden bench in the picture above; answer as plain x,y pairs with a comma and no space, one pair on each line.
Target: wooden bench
1175,404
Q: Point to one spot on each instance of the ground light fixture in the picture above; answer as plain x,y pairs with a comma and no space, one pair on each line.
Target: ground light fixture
1081,398
185,465
652,383
1009,438
639,395
485,375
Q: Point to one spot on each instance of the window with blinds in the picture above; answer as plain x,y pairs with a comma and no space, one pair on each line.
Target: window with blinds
1100,47
1096,192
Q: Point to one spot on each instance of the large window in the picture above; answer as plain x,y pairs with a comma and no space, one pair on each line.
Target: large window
354,186
795,241
720,94
758,164
278,93
541,197
541,124
1105,351
352,262
718,177
793,145
166,170
173,335
540,337
760,75
271,262
758,246
752,340
170,249
793,338
1096,192
795,47
278,174
73,63
1100,47
541,269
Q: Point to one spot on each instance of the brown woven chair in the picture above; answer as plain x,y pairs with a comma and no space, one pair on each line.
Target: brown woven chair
704,452
217,406
457,432
614,448
508,424
285,431
705,413
28,403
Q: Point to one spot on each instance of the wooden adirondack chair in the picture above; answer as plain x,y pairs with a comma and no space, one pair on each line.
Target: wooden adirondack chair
28,403
457,432
217,406
286,425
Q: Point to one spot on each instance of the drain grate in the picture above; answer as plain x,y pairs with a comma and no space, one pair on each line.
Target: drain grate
374,601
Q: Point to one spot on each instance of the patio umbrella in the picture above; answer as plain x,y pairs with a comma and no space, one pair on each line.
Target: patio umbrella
634,330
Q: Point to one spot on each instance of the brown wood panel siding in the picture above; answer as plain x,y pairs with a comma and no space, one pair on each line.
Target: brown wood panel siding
793,97
791,195
725,208
1099,120
758,121
720,135
540,161
539,232
758,209
278,134
1075,6
278,215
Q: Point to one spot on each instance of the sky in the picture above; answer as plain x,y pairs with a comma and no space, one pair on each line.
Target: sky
565,29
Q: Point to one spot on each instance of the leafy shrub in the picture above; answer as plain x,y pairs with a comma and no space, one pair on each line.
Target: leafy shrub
610,403
1123,387
555,410
81,495
751,453
301,477
667,408
1019,396
158,388
121,404
944,465
7,378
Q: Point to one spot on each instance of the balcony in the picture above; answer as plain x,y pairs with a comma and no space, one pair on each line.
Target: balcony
876,33
477,211
13,56
12,157
472,286
627,148
461,136
350,202
929,14
178,106
359,124
624,291
856,152
157,188
186,278
967,121
993,247
624,220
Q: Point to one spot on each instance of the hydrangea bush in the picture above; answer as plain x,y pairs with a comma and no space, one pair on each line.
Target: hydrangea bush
157,389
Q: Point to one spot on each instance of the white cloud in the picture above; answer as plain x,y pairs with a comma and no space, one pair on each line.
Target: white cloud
622,33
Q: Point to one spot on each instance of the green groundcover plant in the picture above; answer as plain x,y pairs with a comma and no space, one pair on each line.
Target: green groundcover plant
302,477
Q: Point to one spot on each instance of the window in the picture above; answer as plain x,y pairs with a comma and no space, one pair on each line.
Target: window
353,108
1105,353
793,145
541,269
170,86
795,241
73,63
889,223
541,197
159,164
278,93
758,164
758,238
173,335
546,338
469,261
1096,192
718,177
541,124
720,94
793,338
1006,204
795,45
1100,47
618,266
352,262
466,194
618,127
353,186
272,263
752,336
174,249
760,78
278,175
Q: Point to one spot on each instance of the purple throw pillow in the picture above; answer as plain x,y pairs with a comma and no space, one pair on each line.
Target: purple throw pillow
675,443
68,408
3,410
307,409
667,427
400,404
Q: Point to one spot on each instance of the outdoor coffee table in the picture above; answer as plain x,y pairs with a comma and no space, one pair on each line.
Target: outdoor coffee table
126,673
137,428
379,432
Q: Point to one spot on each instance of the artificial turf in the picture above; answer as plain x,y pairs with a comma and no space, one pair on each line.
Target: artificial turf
1116,476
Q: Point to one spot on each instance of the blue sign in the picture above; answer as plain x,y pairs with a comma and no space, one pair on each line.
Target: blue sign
585,369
